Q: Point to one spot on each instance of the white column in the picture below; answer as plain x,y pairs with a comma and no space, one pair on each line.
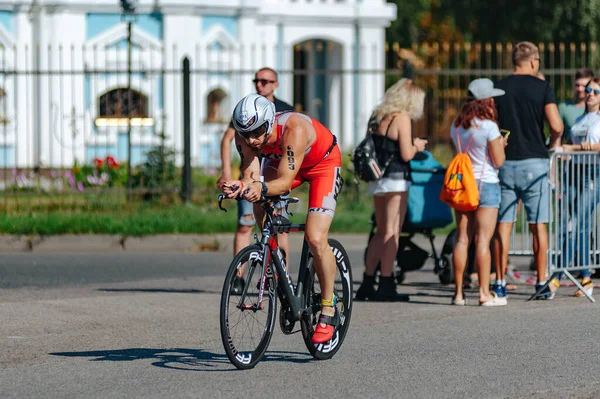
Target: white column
23,92
179,31
372,84
334,83
62,95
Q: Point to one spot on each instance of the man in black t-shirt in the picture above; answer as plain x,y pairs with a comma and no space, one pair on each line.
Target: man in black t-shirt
524,175
265,80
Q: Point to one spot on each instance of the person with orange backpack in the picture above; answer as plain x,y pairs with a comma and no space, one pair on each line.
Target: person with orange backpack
472,187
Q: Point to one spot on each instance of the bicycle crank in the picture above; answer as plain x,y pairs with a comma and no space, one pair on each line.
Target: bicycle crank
287,326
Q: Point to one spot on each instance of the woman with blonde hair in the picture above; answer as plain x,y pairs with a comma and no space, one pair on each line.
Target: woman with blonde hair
391,128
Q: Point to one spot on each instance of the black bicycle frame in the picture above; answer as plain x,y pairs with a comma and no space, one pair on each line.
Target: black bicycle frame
293,297
288,295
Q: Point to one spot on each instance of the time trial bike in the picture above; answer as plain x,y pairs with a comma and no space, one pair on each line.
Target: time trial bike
247,318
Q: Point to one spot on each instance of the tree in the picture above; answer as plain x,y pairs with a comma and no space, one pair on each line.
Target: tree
495,21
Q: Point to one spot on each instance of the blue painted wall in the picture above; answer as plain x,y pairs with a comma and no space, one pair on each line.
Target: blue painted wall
7,156
98,23
228,23
6,20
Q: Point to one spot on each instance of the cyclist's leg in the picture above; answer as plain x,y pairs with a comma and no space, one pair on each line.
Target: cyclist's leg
325,184
317,234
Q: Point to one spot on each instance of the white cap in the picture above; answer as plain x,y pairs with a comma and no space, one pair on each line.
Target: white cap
483,88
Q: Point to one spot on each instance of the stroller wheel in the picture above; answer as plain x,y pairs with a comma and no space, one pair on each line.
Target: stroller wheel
444,270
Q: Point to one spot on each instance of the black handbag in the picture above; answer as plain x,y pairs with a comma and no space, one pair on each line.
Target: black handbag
364,157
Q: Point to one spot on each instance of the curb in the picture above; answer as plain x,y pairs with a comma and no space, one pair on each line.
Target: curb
71,243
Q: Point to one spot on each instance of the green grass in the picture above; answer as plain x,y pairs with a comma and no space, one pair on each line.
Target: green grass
172,219
177,219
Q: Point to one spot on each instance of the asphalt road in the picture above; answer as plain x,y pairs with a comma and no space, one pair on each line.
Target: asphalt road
146,326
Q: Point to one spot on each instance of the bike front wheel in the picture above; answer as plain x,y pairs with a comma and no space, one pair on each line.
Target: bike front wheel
247,322
312,294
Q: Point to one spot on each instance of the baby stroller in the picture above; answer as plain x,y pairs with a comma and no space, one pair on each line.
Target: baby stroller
425,213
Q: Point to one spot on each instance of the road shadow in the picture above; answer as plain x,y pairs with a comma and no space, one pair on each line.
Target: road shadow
184,359
159,290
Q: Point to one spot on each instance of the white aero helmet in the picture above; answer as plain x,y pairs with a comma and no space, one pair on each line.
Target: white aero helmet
251,113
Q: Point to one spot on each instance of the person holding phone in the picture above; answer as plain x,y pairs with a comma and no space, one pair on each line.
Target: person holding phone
524,175
476,131
392,133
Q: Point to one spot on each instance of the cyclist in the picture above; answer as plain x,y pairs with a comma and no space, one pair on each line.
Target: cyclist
266,82
296,149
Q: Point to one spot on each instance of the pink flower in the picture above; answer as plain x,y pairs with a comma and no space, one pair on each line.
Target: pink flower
80,186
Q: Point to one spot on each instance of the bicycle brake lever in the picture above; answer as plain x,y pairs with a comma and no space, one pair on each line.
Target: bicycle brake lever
221,198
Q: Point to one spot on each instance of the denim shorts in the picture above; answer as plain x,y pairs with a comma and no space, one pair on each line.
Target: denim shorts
245,208
489,195
526,180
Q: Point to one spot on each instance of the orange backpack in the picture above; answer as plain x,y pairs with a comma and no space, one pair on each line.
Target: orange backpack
460,189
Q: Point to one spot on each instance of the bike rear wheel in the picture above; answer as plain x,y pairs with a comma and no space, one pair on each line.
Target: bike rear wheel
312,293
247,324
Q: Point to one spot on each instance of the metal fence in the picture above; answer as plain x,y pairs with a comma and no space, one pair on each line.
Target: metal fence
74,118
574,230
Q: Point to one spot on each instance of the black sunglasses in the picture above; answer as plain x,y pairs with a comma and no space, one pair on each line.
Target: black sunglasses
589,90
263,82
254,133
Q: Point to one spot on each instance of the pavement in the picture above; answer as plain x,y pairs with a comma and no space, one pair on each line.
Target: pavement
146,325
188,243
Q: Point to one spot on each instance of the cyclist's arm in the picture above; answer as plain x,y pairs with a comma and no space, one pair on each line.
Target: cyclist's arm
249,163
294,146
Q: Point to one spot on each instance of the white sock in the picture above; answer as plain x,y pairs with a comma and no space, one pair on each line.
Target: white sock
499,282
503,283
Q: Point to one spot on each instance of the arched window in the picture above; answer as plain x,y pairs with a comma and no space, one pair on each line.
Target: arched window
215,107
123,103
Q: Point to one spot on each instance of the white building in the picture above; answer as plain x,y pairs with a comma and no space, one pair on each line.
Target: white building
64,80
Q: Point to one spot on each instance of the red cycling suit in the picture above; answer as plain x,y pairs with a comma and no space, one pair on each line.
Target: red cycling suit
321,166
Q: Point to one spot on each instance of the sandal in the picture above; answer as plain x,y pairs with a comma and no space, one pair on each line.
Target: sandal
459,302
495,301
324,334
588,288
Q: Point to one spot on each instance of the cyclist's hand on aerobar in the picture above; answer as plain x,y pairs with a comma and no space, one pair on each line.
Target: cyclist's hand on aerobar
252,192
232,188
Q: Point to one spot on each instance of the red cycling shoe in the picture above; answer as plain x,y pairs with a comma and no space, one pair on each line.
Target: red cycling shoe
324,334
